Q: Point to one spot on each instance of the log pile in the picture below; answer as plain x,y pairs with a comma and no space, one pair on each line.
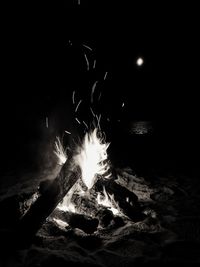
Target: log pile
89,214
51,193
126,200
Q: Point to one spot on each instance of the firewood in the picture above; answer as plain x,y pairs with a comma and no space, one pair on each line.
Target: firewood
50,196
83,222
126,200
105,217
75,220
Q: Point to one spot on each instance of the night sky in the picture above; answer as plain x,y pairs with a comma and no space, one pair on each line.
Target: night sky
43,63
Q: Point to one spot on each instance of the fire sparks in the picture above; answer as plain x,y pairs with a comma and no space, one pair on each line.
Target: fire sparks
60,151
67,132
87,62
47,122
94,64
92,91
107,201
78,120
91,157
105,76
89,48
85,124
99,96
92,111
78,105
73,95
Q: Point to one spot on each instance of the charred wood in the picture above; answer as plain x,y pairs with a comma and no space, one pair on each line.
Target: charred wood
126,200
50,195
81,221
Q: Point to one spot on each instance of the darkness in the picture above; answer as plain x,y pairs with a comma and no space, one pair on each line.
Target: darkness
48,52
43,62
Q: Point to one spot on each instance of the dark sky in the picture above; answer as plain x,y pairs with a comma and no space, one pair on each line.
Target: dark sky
43,62
38,55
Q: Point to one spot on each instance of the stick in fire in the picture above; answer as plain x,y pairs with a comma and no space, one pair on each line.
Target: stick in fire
51,194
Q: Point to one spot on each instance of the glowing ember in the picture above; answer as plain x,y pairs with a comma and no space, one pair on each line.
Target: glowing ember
61,223
91,157
60,152
107,201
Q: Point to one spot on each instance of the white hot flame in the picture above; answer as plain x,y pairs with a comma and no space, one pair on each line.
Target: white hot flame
107,201
66,204
91,157
60,151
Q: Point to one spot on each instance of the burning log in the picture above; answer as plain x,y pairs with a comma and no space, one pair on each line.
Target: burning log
105,217
51,194
83,222
85,204
126,200
74,220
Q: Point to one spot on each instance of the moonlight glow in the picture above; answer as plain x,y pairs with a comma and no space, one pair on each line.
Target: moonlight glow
140,61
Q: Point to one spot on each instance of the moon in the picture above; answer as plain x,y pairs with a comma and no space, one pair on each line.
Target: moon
140,61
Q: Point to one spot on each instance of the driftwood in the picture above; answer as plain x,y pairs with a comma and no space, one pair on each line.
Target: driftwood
51,194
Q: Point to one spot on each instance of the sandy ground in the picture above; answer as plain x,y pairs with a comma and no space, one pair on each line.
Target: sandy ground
170,233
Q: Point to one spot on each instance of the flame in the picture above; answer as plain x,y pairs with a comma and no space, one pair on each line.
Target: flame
66,204
60,151
107,201
92,156
61,223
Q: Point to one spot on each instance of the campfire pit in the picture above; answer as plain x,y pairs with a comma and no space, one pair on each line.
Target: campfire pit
84,195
